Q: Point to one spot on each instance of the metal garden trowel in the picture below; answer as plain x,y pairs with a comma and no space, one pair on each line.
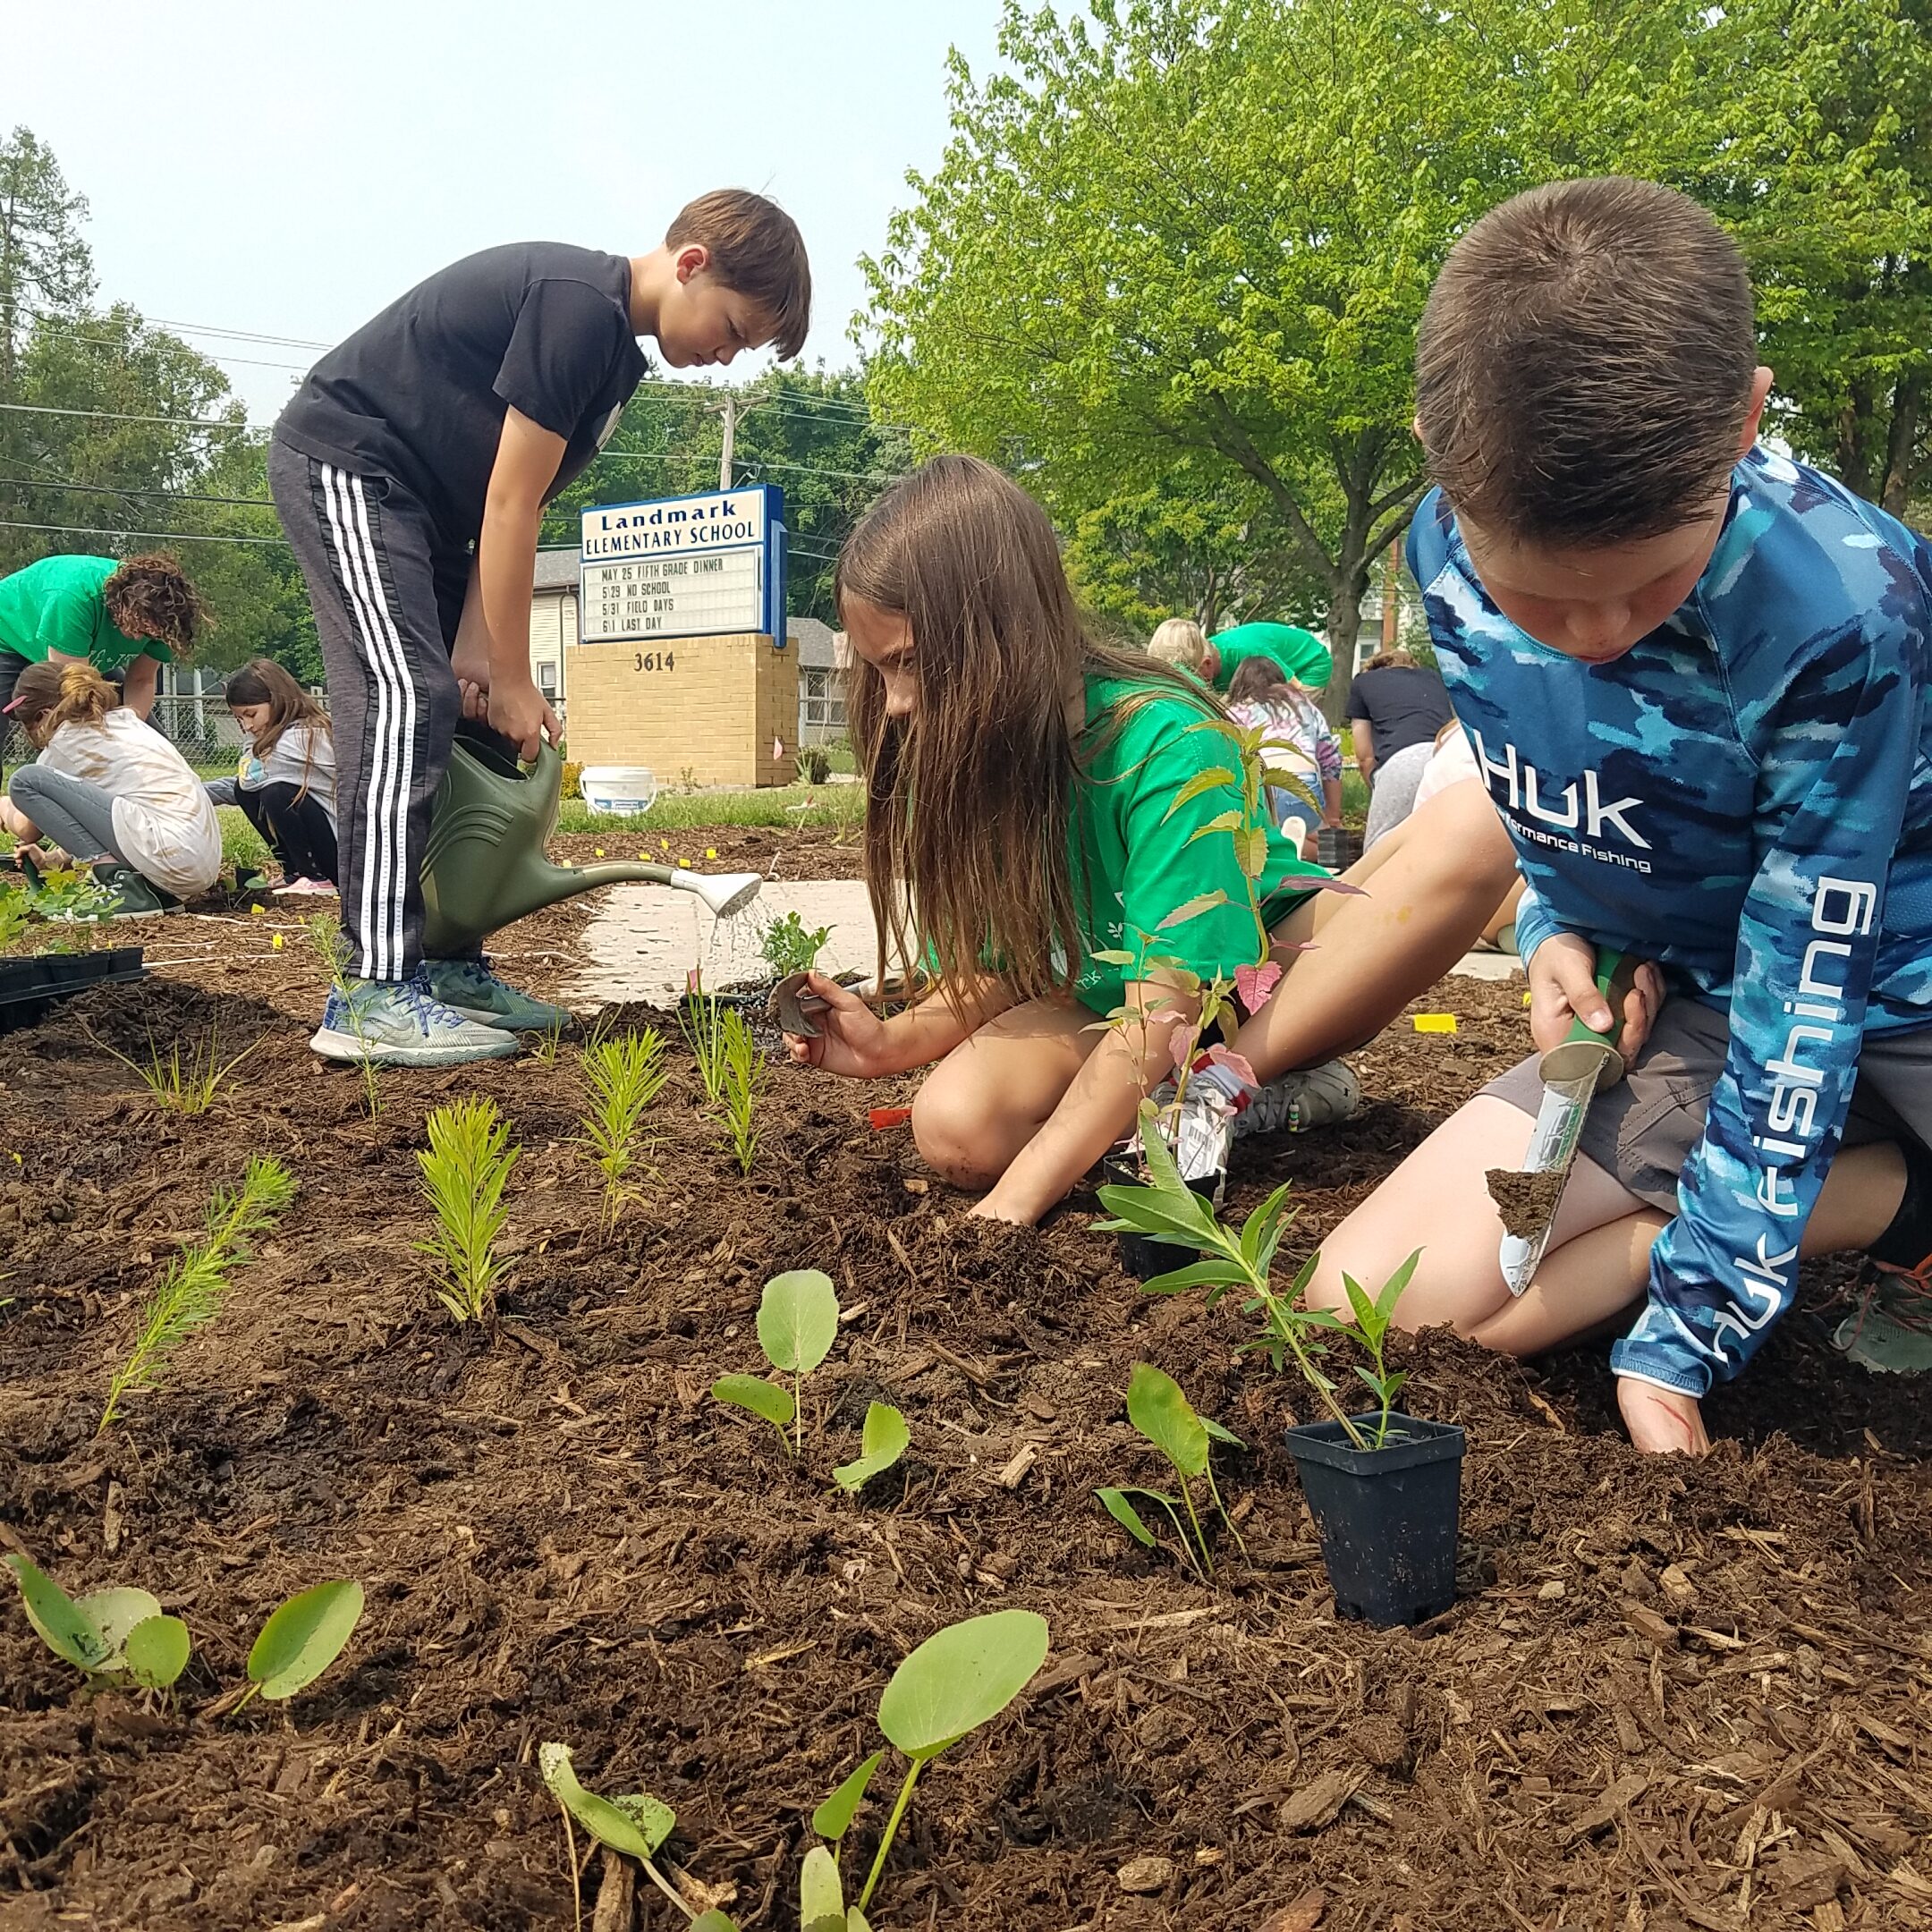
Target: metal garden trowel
1571,1073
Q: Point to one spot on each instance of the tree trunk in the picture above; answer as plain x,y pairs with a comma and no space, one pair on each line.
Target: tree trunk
1344,626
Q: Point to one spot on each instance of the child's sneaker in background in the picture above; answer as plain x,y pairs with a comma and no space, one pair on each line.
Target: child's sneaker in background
124,894
1890,1332
1317,1097
402,1024
305,888
468,987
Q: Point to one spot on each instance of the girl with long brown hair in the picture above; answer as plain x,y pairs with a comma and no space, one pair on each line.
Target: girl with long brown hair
110,792
285,782
1030,838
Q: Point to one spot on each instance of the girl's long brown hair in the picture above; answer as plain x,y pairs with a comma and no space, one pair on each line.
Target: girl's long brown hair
263,682
969,800
50,695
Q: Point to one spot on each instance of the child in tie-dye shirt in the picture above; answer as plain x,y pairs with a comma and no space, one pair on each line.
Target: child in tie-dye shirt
1694,673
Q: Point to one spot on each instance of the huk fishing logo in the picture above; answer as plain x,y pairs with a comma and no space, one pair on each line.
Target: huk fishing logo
1842,910
1574,818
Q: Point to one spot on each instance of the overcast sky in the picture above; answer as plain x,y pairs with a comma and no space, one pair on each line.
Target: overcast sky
289,169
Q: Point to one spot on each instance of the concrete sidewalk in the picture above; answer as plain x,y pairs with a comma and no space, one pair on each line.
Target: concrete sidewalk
646,938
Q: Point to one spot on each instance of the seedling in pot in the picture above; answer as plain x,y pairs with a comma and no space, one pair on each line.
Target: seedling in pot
191,1293
744,1075
787,946
1158,1408
623,1076
884,1440
1166,1209
465,1168
112,1636
796,1325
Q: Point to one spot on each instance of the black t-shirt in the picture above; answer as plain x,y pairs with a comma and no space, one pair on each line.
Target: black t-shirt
418,394
1403,705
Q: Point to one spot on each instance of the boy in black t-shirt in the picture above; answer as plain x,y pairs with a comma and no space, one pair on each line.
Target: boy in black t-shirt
410,473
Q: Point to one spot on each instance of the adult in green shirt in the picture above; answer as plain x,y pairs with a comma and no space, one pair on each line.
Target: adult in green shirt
1302,655
126,619
1047,821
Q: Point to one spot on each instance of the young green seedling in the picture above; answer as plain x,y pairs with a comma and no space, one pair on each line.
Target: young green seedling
635,1826
821,1891
1167,1209
701,1021
302,1640
885,1439
744,1076
189,1087
796,1325
324,935
959,1678
465,1168
190,1294
110,1635
13,915
787,946
1156,1407
623,1076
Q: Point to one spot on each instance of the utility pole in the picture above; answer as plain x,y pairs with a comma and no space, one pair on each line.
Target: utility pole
733,413
1392,598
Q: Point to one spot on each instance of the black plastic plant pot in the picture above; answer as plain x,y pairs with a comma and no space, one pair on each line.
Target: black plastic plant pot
1337,848
1141,1256
1387,1517
29,987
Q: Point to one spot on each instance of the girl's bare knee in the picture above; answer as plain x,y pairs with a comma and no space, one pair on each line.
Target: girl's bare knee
956,1134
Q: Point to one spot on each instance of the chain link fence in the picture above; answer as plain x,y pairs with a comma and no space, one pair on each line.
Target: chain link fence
202,729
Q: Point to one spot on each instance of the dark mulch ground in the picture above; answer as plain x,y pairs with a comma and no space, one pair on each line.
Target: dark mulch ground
1670,1695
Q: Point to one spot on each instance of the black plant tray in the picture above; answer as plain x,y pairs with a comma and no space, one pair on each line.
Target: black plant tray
30,986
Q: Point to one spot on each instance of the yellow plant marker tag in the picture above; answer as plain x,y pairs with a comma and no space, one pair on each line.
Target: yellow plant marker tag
600,851
277,943
710,851
1435,1022
255,912
1526,999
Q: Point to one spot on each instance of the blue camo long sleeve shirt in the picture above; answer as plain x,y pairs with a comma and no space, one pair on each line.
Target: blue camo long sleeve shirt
1746,798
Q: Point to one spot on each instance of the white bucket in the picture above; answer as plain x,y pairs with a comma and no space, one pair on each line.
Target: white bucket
625,791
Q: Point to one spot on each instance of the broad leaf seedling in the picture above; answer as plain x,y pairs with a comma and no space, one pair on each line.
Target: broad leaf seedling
1158,1408
788,946
465,1168
302,1640
635,1826
796,1325
886,1438
190,1294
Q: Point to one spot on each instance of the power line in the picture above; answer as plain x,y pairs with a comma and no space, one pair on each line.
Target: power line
116,489
171,422
165,536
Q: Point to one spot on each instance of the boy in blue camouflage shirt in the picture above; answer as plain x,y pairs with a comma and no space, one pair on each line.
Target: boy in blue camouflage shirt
1694,673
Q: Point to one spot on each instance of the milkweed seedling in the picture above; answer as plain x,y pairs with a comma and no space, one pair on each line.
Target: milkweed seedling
190,1294
885,1439
744,1076
465,1169
796,1325
623,1076
301,1638
113,1635
1156,1407
635,1826
960,1678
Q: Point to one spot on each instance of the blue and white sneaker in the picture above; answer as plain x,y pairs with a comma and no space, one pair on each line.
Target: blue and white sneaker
468,987
402,1024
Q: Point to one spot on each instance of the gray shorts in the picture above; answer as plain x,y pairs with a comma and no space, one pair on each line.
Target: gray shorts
1643,1128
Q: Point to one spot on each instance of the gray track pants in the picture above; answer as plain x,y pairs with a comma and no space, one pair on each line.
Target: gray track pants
76,816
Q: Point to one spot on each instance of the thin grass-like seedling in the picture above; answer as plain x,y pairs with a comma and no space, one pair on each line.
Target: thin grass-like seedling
744,1076
190,1294
325,934
465,1169
188,1086
623,1076
701,1021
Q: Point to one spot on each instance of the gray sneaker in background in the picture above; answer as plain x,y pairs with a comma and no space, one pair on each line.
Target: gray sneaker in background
402,1024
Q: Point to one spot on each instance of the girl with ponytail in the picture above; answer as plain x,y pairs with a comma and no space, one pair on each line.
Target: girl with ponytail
111,792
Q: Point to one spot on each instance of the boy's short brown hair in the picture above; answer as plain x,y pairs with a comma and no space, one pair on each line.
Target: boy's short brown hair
757,250
1585,362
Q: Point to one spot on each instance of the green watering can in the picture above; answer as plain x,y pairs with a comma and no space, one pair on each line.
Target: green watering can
485,864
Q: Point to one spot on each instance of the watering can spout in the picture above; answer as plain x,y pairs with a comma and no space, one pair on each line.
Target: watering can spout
484,866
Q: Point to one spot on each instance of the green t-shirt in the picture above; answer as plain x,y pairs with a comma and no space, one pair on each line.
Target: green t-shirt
1301,654
56,606
1138,861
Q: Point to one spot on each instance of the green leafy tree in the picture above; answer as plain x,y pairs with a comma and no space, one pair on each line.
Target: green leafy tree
43,261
